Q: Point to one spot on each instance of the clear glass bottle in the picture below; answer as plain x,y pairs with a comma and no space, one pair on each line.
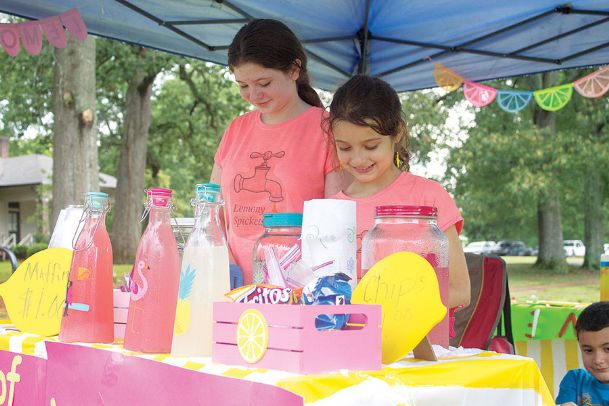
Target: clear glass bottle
204,277
413,229
281,234
89,312
154,280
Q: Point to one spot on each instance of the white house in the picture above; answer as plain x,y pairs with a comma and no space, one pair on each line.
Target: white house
20,178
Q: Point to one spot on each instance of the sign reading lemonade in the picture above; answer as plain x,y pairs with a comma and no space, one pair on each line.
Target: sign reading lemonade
35,294
406,286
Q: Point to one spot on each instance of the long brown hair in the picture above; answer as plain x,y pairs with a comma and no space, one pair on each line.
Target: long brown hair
271,44
371,102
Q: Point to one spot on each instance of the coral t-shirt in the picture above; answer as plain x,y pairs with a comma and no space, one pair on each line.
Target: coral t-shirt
407,189
267,169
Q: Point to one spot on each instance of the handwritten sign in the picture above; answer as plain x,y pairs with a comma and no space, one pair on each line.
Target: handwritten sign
35,294
406,286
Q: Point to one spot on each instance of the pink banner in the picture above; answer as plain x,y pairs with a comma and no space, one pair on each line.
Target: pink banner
74,23
22,379
31,37
53,30
78,375
9,38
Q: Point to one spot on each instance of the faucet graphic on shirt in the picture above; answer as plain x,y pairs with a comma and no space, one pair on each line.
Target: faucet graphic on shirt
258,182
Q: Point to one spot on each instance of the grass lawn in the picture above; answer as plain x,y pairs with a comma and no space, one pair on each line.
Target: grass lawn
526,283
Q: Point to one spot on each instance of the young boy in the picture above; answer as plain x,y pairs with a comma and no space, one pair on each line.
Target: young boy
589,387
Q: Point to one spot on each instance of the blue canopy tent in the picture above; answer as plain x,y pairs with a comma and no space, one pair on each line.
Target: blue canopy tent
397,40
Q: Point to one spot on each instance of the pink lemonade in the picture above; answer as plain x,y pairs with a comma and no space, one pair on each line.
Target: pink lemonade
89,316
155,280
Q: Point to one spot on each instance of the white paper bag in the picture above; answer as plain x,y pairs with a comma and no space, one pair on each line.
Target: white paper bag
328,234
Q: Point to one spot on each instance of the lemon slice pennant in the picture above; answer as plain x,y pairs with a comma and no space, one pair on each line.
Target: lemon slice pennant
478,94
446,79
595,84
554,98
252,336
513,101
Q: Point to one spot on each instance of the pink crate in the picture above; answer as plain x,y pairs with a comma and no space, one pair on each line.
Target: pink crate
121,307
295,345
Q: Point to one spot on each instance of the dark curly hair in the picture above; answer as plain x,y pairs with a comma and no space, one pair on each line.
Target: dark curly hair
593,318
271,44
371,102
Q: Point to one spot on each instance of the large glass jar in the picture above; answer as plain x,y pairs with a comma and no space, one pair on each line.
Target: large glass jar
413,229
271,251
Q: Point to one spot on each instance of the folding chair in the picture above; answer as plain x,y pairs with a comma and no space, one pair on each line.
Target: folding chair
476,324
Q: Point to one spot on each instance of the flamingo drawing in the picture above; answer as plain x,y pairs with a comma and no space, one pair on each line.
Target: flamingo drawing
137,291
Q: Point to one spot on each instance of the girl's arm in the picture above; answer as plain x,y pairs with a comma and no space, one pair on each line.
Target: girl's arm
336,181
458,276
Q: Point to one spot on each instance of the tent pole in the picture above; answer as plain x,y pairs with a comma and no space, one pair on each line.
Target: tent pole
364,35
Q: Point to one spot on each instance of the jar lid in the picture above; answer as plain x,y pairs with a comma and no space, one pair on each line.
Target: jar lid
402,210
159,196
96,200
282,219
209,192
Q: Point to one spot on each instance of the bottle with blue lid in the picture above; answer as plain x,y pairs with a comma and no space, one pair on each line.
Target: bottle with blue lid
277,248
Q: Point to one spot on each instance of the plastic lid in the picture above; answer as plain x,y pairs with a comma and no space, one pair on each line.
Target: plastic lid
282,219
402,210
96,200
207,192
159,196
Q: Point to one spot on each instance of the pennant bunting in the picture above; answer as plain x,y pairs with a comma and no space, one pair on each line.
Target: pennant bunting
513,101
478,94
53,30
31,35
9,37
446,79
593,85
554,98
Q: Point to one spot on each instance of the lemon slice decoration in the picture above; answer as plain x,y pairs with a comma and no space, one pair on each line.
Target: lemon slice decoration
446,79
554,98
252,336
513,101
595,84
478,94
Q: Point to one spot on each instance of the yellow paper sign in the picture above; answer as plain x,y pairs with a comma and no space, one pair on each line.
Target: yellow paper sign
406,286
35,294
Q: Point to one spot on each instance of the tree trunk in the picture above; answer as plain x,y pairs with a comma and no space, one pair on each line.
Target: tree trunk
128,207
75,165
593,218
551,252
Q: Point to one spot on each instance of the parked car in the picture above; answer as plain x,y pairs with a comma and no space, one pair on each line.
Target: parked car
574,248
503,247
519,249
479,247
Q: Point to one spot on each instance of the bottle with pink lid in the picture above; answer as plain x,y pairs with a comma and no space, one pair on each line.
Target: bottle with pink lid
413,229
154,280
89,313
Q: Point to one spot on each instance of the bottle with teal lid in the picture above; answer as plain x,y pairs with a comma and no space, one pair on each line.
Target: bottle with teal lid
277,248
154,279
89,312
204,275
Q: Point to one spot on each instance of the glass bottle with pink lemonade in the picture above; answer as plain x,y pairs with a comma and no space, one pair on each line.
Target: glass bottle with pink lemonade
154,280
89,312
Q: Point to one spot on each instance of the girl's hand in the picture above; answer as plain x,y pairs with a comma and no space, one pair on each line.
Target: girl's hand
567,404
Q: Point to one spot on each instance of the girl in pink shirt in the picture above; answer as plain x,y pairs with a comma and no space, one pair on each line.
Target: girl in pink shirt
369,130
273,158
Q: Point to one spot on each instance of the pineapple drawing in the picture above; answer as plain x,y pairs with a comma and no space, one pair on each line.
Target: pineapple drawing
187,278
